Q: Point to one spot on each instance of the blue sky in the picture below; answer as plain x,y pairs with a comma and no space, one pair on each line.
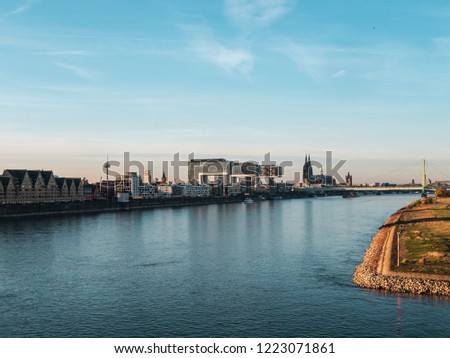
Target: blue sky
233,78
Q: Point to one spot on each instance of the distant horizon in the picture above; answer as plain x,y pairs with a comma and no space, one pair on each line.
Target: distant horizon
388,169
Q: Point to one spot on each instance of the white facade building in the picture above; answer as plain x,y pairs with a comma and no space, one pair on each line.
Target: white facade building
147,177
147,191
196,191
128,183
165,190
184,190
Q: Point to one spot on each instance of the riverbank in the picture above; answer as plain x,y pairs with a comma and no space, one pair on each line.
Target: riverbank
19,211
420,261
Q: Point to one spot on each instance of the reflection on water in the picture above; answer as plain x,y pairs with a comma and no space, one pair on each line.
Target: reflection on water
399,325
270,269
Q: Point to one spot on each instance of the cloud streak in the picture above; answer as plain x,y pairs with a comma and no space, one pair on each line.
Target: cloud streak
69,53
321,62
77,71
309,59
339,74
23,7
230,60
255,12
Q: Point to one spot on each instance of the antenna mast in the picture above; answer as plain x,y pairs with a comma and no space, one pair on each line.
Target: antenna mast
107,165
424,179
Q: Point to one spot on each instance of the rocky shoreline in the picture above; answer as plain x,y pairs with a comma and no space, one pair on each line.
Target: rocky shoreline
367,275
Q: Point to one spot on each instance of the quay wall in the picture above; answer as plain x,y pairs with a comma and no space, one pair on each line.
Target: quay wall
17,211
12,211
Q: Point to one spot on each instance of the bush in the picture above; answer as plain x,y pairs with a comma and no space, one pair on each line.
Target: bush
427,201
414,204
441,193
420,202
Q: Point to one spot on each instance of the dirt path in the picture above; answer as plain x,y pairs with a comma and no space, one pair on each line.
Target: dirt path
388,260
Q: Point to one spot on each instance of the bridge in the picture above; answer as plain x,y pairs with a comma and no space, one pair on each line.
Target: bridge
334,191
399,189
423,189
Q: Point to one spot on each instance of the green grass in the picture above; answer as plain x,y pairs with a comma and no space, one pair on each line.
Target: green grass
424,250
425,246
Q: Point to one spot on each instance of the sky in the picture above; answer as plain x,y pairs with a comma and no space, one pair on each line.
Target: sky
369,81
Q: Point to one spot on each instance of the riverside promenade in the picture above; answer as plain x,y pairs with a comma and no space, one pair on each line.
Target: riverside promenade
411,252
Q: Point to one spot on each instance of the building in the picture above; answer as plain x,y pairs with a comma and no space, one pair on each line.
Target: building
107,189
52,187
91,191
245,176
234,190
147,191
307,171
147,177
23,186
349,179
184,190
7,190
309,179
123,197
195,191
271,171
215,173
163,178
63,188
167,190
231,178
130,183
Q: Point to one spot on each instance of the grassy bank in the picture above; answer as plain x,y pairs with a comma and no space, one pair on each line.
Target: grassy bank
424,239
422,265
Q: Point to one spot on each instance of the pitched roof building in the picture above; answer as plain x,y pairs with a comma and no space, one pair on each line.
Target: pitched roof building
38,186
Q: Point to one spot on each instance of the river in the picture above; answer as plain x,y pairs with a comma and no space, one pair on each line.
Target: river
269,269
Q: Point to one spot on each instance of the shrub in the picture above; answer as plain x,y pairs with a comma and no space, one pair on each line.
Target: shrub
441,193
414,204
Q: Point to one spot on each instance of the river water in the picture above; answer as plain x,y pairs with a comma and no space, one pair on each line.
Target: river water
270,269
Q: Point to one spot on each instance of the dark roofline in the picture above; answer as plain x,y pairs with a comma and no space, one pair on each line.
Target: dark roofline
210,160
16,173
60,181
4,180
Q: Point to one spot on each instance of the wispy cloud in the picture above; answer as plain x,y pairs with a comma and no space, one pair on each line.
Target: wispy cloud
255,12
322,62
310,59
69,53
339,74
230,56
77,71
26,6
228,59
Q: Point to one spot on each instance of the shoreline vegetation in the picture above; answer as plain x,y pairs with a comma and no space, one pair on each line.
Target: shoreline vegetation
411,252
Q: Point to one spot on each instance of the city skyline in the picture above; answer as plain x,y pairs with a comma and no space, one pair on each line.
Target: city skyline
175,168
234,79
